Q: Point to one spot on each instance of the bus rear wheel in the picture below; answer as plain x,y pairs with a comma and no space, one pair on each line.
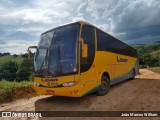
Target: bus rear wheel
105,86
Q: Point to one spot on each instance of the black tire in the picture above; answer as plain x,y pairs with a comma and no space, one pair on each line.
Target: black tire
133,74
105,86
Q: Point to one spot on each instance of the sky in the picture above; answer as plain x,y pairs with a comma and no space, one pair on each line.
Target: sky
23,21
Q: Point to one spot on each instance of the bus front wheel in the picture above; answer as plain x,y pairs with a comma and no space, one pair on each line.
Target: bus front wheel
105,86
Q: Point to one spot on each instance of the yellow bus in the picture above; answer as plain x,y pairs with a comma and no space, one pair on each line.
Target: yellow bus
78,59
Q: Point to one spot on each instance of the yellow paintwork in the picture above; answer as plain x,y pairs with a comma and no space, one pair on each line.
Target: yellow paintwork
29,52
60,91
103,62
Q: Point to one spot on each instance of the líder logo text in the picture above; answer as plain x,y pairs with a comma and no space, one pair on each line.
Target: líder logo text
120,59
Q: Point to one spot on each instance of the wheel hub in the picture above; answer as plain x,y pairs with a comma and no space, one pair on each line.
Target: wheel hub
104,85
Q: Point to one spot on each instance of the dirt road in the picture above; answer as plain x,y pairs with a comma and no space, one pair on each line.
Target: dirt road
141,94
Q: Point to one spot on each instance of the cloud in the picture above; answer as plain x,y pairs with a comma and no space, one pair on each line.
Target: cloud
16,46
139,19
81,6
134,21
139,14
127,19
2,42
25,21
35,31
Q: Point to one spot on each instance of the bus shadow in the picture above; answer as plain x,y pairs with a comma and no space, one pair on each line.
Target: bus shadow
57,103
53,103
121,83
126,84
128,81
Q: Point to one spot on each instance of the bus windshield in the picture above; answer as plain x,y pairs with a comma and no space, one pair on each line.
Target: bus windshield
57,51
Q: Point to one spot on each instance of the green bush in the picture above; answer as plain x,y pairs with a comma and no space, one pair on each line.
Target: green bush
24,70
11,71
8,70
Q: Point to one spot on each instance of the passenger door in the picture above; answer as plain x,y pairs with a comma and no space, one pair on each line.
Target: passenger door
88,72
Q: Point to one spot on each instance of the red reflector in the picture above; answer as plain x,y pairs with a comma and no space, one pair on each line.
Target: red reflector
49,92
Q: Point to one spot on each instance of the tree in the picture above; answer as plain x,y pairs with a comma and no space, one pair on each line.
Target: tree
15,56
24,70
3,54
8,70
25,55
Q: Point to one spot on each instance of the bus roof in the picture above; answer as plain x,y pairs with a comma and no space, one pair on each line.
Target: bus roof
84,22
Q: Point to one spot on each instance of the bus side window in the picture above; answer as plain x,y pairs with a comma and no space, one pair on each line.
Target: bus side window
89,39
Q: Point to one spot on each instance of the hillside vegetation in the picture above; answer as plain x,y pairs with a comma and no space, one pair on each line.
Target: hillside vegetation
16,72
149,54
147,48
15,67
7,58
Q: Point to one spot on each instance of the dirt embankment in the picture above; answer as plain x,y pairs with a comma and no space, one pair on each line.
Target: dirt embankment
141,94
17,93
24,92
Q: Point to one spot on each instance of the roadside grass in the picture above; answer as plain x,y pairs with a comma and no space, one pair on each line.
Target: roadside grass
154,69
7,89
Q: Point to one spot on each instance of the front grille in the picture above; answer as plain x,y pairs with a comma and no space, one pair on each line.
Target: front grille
50,86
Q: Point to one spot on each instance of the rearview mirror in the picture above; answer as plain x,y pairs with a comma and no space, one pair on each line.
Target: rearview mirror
84,50
29,52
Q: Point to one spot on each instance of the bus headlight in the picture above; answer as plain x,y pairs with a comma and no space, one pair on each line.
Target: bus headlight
36,84
69,84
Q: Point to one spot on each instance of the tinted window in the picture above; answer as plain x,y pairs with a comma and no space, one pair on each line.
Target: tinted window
45,40
63,50
89,39
106,42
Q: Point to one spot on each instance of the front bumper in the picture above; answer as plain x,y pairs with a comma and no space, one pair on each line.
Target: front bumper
71,91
